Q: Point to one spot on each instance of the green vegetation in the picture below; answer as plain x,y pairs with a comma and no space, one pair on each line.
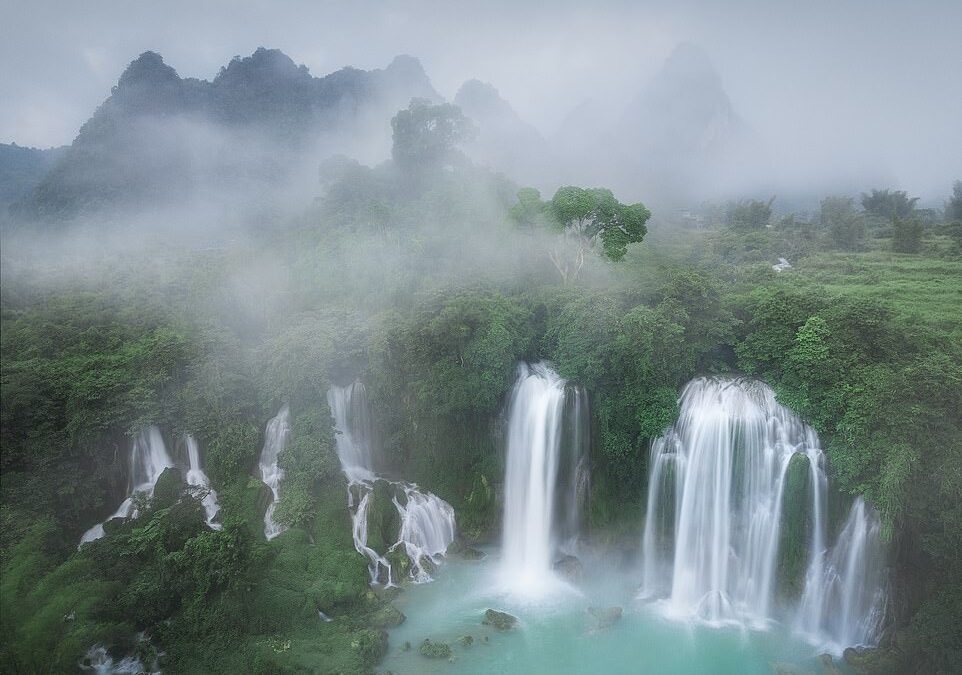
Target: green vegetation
430,279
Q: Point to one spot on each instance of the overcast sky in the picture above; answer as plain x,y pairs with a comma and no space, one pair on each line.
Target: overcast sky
856,84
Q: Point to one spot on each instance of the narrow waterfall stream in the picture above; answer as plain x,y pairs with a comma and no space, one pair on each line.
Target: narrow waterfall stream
148,459
275,440
427,524
197,478
715,512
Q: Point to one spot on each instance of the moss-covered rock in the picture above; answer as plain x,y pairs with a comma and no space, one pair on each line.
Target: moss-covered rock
499,620
400,563
435,650
605,616
874,661
466,641
388,616
371,644
796,527
383,521
168,488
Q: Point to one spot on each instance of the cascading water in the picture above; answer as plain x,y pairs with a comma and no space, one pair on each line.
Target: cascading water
275,440
533,533
715,510
350,411
197,478
844,602
427,521
148,459
427,529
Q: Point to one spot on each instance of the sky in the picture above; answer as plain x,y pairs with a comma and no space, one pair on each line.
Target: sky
840,87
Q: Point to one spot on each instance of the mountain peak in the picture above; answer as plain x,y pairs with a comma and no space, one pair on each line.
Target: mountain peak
480,98
148,69
406,64
263,66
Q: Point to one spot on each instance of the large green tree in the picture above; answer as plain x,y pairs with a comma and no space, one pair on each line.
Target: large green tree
584,217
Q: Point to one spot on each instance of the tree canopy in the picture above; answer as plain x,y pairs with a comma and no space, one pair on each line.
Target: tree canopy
584,216
426,136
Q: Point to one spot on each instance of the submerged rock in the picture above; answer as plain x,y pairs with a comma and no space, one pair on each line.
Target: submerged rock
459,548
388,616
605,616
499,620
435,650
569,567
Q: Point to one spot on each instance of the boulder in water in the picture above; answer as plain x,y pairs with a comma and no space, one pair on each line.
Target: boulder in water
459,548
499,620
388,616
605,616
435,650
569,567
466,641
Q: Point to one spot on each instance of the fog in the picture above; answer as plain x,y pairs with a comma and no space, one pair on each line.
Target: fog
839,95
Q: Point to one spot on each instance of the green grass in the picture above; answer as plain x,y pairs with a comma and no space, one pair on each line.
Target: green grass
920,290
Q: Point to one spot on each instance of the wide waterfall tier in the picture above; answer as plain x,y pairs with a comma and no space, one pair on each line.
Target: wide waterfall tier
198,479
147,460
545,475
275,440
717,507
394,523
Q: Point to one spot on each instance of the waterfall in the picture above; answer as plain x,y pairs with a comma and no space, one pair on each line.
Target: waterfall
715,510
532,531
148,459
197,478
275,440
98,661
351,418
845,604
427,523
377,562
427,529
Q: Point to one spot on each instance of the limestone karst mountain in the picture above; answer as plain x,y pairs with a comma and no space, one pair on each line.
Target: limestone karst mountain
160,138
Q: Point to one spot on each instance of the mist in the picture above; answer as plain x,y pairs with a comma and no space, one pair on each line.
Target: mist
858,94
588,335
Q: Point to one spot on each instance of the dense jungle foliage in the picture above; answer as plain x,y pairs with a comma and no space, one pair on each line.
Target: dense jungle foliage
430,284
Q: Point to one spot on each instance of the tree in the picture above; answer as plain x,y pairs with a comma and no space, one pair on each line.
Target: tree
887,204
585,216
953,207
906,236
845,225
530,210
749,214
426,136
